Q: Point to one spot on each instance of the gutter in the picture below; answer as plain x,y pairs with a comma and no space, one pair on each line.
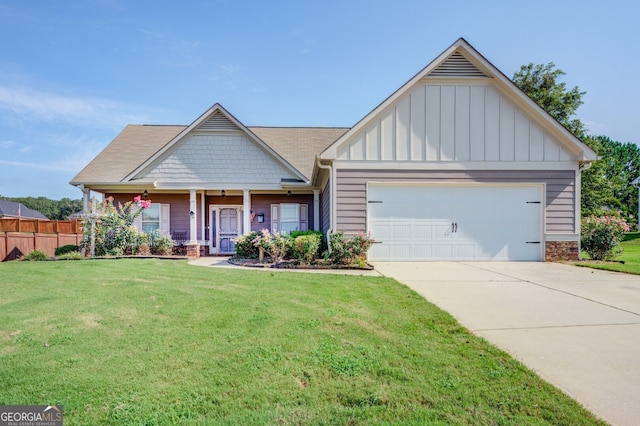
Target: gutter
333,213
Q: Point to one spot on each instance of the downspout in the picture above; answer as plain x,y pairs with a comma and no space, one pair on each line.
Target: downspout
582,166
332,213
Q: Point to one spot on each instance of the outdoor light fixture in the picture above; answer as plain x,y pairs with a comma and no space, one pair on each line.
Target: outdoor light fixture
289,193
223,193
145,194
191,214
260,217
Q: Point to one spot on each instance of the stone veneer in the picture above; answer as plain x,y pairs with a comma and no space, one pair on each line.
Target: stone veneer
561,250
193,250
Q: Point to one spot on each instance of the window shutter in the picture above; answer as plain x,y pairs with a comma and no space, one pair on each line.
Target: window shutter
165,219
304,215
275,218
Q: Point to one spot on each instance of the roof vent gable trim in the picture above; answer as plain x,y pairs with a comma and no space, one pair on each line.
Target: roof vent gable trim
458,66
218,121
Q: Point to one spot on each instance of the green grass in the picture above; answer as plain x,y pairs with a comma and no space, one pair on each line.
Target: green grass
162,342
628,261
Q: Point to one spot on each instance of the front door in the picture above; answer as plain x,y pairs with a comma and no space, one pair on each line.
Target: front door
226,225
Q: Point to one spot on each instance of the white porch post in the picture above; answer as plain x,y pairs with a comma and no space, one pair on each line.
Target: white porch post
193,218
246,216
316,209
85,199
202,213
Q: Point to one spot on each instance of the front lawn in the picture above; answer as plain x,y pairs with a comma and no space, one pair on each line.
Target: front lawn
163,342
628,261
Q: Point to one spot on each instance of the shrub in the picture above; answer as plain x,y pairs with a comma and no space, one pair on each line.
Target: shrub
72,255
275,245
69,248
600,236
305,247
321,237
245,247
142,247
36,255
161,244
114,230
115,252
345,251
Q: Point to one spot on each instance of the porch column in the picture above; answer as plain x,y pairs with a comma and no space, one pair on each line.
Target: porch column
203,213
85,199
193,218
246,216
316,209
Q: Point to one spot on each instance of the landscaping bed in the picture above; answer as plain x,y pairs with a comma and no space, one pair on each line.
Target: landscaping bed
292,264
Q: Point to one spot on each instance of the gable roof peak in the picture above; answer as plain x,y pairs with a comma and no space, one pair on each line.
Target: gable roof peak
216,118
470,60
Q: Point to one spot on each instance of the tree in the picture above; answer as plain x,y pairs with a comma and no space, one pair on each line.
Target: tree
53,209
606,186
541,83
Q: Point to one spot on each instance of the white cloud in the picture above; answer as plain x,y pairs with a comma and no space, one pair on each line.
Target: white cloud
52,167
7,144
31,104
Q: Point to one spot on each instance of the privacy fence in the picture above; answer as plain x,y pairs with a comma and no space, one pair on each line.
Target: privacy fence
19,237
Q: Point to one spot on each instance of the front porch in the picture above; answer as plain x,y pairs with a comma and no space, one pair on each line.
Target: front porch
208,220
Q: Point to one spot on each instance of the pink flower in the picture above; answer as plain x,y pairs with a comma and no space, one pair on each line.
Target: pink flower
137,199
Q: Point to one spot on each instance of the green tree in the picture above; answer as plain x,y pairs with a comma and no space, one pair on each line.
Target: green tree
606,186
542,84
53,209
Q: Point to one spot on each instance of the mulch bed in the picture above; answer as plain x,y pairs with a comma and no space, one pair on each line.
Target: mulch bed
288,264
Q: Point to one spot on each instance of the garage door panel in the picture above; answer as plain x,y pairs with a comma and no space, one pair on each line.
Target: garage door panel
479,222
422,231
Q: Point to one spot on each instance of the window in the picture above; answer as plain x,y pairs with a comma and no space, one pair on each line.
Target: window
155,218
151,218
289,217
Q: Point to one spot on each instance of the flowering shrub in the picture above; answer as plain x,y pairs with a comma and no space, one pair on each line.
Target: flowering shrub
345,251
115,234
245,248
144,204
304,246
600,236
275,245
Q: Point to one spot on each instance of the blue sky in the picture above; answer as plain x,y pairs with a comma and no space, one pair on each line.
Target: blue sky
74,73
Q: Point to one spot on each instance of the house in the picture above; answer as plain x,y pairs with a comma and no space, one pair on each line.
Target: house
12,209
457,164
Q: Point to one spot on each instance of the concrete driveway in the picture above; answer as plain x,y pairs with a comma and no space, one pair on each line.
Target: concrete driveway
578,328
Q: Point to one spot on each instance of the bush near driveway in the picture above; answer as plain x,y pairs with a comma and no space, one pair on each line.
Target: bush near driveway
601,236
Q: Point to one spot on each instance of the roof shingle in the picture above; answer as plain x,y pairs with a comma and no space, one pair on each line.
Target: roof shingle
137,143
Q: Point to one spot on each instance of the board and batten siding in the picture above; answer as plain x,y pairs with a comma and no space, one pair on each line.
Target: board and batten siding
351,193
453,122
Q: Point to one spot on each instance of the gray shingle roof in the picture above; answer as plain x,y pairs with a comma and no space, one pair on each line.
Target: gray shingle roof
137,143
299,145
132,147
10,208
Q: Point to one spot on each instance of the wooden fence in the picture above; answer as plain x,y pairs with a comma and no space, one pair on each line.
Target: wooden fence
19,237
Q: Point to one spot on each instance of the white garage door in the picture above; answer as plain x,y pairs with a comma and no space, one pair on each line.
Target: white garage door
455,222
